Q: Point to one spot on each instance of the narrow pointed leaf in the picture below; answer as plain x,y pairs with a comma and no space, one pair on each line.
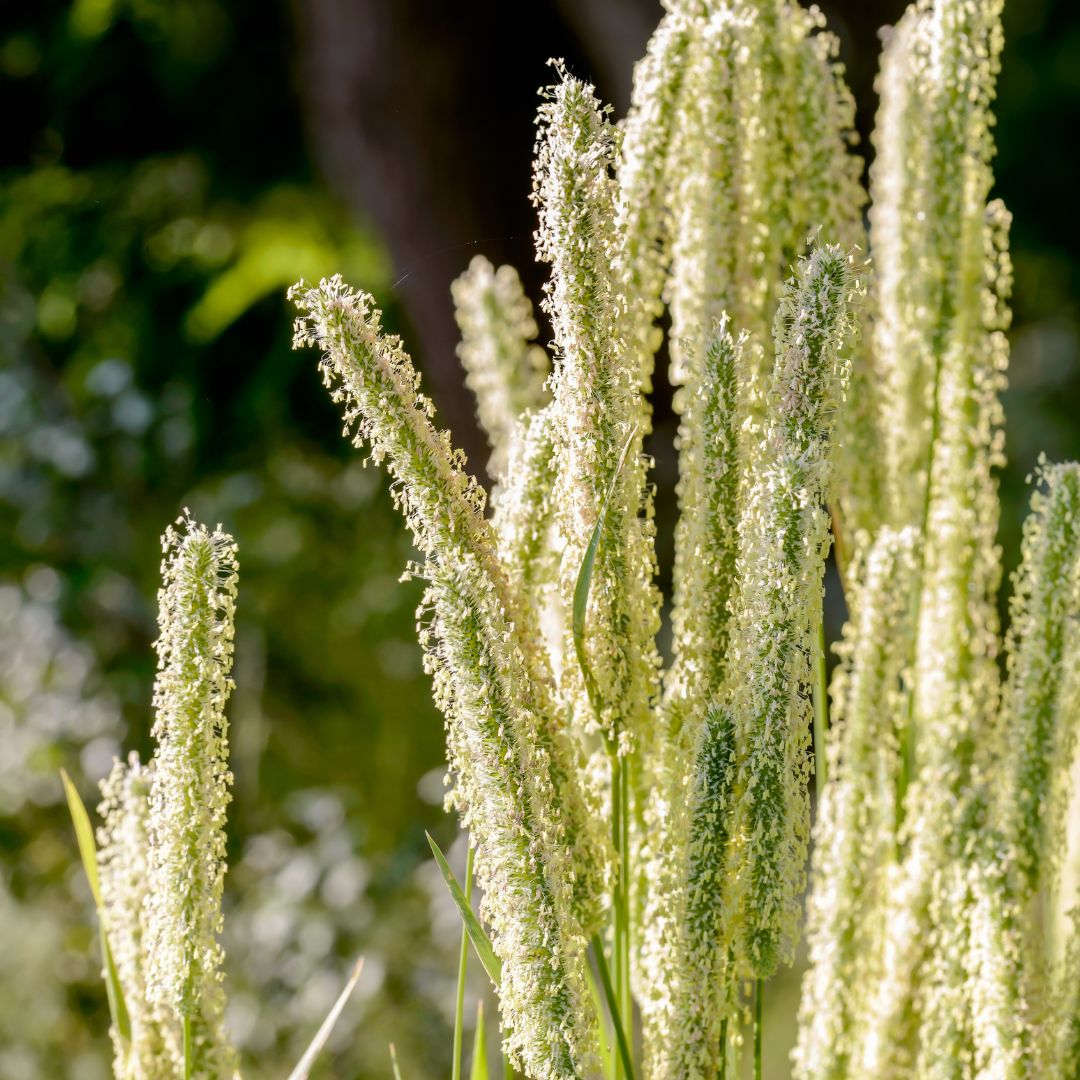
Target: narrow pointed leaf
84,836
304,1065
479,1070
584,578
477,934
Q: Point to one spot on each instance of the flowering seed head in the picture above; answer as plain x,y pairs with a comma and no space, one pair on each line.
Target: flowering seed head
189,789
503,368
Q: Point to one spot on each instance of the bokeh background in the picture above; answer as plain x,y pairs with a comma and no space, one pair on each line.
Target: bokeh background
167,168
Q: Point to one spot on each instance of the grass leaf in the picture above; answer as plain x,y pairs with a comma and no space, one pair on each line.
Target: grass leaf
584,578
304,1065
84,836
479,1070
477,934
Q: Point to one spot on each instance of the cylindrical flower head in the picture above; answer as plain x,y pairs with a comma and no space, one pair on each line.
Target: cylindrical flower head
783,542
656,101
539,853
503,368
1039,715
713,467
523,513
189,789
755,124
600,411
929,185
371,374
973,1005
759,159
524,855
689,981
855,837
123,864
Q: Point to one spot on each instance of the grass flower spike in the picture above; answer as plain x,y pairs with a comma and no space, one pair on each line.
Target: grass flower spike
503,368
539,858
189,792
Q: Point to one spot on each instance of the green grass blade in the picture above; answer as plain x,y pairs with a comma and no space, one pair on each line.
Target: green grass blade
459,1012
584,578
393,1062
479,1070
84,837
606,1047
477,934
304,1065
613,1008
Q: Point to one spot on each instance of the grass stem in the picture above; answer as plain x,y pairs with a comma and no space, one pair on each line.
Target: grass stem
624,1059
759,995
459,1013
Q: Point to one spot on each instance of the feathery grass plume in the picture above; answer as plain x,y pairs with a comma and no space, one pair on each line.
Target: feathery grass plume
929,185
1043,646
189,791
600,410
656,101
503,368
689,989
492,681
783,538
855,833
523,863
706,542
123,864
783,542
523,514
684,862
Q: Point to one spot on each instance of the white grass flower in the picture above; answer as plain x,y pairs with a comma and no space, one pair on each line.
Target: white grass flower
783,541
123,871
1040,715
540,854
189,791
601,414
503,368
855,834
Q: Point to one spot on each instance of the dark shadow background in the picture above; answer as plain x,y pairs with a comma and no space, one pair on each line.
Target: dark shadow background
167,169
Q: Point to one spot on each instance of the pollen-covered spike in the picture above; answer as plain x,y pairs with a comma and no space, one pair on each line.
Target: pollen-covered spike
889,1024
929,184
523,514
600,415
565,848
690,981
759,159
520,830
1063,1041
1040,715
189,789
643,173
855,837
503,367
783,542
706,544
123,864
